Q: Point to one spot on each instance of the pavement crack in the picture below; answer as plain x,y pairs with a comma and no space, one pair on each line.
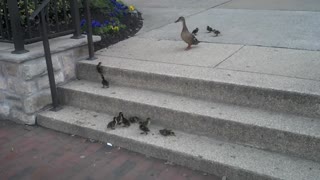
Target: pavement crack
228,56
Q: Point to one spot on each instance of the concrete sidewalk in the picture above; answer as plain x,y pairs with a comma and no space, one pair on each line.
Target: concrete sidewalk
279,41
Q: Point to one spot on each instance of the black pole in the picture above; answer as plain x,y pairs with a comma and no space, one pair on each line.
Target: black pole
89,31
46,46
17,33
76,19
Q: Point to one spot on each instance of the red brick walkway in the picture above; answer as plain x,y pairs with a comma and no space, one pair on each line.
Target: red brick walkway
38,153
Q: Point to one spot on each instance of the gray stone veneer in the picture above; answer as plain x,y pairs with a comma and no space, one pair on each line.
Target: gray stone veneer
24,84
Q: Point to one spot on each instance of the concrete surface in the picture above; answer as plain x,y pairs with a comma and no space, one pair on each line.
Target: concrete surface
173,52
288,5
276,93
272,131
282,62
210,155
33,152
287,29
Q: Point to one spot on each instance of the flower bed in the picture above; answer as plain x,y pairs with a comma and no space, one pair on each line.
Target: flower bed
113,21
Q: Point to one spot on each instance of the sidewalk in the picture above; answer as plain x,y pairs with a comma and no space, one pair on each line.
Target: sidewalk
37,153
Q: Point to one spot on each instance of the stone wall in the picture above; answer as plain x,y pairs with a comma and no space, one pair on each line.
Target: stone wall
24,83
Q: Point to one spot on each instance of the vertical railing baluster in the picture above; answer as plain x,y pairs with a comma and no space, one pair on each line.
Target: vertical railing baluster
27,18
1,23
17,33
89,31
75,19
55,8
65,13
6,15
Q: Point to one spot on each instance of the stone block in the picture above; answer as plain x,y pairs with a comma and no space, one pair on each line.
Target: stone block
20,116
4,110
37,101
33,68
21,87
3,83
43,82
69,67
11,69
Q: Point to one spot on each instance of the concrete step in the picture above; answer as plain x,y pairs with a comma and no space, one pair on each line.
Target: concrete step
275,93
198,152
279,132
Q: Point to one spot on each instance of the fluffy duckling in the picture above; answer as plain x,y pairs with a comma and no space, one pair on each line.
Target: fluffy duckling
120,118
99,68
195,31
112,124
166,132
186,36
125,121
134,119
144,126
146,122
216,32
209,29
104,82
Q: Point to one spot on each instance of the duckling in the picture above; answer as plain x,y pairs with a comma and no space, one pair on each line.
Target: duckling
112,124
104,82
166,132
120,118
99,68
195,31
216,32
144,128
125,121
209,29
186,36
146,122
134,119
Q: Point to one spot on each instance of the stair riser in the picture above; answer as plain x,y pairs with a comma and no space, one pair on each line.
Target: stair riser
261,137
275,100
234,173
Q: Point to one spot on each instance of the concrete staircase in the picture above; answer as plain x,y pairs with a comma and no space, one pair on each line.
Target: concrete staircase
231,123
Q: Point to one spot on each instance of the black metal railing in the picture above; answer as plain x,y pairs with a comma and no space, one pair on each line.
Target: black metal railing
53,19
62,17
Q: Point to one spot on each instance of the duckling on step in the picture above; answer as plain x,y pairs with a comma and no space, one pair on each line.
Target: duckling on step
166,132
195,31
99,68
186,36
112,124
144,126
120,118
125,121
104,82
134,119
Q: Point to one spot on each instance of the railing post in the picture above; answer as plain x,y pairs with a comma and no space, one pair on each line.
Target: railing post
46,46
76,19
16,28
89,31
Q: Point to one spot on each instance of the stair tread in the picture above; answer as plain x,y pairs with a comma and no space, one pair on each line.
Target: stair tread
240,78
246,115
232,155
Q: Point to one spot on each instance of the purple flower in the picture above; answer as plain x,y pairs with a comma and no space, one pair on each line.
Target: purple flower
96,23
83,22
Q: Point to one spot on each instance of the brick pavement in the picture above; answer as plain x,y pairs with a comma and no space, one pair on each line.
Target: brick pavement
38,153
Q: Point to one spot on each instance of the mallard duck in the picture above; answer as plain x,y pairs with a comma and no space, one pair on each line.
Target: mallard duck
112,124
166,132
186,36
195,31
99,68
104,82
